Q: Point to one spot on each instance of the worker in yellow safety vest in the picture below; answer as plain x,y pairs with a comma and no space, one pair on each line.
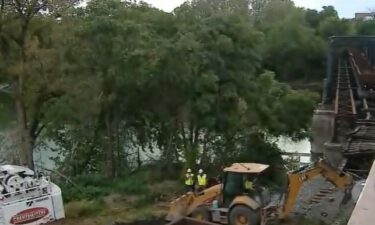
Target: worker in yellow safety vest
249,185
189,180
202,180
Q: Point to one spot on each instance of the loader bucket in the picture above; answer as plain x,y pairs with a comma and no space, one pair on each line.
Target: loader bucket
179,207
184,205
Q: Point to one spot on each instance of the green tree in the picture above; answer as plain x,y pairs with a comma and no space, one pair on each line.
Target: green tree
312,18
294,52
114,81
332,26
328,12
30,67
275,11
365,27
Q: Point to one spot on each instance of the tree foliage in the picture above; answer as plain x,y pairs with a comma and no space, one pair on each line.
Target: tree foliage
365,27
117,82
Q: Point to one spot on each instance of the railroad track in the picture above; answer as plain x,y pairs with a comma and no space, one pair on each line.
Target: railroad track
345,108
354,123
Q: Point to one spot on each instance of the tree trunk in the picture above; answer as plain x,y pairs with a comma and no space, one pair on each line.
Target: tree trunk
139,161
110,167
204,156
119,162
25,141
169,154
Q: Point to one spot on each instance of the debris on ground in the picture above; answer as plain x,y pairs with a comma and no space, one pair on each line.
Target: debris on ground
319,200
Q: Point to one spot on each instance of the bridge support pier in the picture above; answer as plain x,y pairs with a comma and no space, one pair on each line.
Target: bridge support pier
323,125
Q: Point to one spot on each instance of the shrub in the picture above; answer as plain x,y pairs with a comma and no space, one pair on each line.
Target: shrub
96,180
95,186
80,192
131,186
93,192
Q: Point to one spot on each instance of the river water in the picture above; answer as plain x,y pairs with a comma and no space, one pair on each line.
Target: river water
42,156
290,146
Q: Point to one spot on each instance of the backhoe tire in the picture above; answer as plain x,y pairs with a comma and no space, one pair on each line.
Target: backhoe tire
243,215
201,213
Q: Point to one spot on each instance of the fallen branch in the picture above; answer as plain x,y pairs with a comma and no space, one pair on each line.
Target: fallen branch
64,177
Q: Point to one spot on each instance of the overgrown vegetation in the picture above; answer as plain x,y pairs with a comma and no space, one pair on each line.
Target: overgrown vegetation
143,184
85,188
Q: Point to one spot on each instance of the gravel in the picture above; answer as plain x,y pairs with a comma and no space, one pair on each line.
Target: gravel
328,209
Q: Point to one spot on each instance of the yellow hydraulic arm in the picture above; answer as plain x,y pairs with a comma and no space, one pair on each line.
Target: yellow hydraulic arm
296,179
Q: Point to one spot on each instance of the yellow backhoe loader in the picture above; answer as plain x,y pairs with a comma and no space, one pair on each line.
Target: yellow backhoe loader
229,202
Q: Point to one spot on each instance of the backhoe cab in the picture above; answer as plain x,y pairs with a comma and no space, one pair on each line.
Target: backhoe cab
239,205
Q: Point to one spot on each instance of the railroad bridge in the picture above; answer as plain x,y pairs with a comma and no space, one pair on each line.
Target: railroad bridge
343,128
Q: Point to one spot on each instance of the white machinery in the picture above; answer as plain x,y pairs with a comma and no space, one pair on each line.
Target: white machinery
28,199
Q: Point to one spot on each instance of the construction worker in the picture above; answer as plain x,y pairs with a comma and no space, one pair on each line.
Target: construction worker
189,180
202,180
249,185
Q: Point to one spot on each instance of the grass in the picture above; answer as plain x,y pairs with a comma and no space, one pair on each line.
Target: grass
143,214
109,212
144,200
83,208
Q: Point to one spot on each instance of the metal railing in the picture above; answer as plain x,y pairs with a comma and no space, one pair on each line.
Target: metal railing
18,196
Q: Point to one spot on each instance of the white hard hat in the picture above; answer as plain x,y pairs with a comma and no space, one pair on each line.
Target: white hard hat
200,171
189,170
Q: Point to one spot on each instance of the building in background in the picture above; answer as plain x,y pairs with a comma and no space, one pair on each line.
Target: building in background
365,16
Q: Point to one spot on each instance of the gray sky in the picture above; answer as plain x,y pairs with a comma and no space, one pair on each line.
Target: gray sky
346,8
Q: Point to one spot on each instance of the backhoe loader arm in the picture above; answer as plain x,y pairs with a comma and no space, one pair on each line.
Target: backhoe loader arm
296,180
